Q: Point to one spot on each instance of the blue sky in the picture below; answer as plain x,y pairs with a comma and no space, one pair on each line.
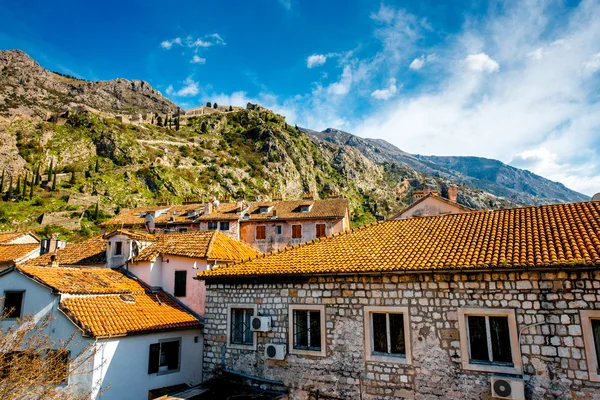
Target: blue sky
516,81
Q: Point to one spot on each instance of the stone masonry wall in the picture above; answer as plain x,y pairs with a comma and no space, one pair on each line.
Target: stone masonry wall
553,354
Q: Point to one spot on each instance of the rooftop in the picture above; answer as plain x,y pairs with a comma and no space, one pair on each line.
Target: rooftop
116,315
542,236
212,245
83,280
90,252
176,214
437,197
11,253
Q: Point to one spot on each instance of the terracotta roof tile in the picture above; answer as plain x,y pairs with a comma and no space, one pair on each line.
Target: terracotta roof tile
134,235
90,252
14,252
560,234
83,280
174,214
8,236
198,244
225,211
128,314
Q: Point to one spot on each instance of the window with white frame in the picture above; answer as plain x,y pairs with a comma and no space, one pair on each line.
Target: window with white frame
590,324
239,334
489,340
387,334
307,329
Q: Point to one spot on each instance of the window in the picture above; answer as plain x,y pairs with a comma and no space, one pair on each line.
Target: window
261,232
164,356
590,324
212,225
239,334
180,283
182,230
224,225
279,229
387,336
296,231
118,248
13,304
304,209
489,340
321,230
262,210
307,330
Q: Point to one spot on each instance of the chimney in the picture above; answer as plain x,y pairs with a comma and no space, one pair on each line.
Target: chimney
452,193
208,207
53,261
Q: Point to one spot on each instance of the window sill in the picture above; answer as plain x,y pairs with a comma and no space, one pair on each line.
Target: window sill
594,377
242,346
491,368
172,371
388,359
314,353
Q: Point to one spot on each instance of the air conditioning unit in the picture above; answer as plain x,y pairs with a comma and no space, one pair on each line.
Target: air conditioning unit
260,324
507,388
275,351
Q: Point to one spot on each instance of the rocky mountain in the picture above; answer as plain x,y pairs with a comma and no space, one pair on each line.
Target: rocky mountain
516,185
86,165
27,88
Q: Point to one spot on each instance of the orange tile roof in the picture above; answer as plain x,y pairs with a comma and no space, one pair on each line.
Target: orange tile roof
175,214
134,235
83,280
225,211
91,252
11,253
198,244
102,316
290,209
8,236
560,234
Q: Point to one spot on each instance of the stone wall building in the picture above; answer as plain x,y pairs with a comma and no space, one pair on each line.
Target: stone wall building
421,308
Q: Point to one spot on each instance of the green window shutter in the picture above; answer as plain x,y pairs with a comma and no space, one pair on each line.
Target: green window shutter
154,358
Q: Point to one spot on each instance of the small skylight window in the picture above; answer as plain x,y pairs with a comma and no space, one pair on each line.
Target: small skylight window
304,209
127,298
262,210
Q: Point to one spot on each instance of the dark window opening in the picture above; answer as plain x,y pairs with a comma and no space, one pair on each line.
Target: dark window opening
388,333
596,335
13,304
279,229
224,226
489,339
164,356
180,283
213,225
307,330
118,248
240,326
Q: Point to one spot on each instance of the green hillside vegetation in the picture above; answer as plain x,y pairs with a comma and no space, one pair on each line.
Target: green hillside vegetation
236,155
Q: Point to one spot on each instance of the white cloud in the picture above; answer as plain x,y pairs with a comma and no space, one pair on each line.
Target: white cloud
316,60
593,64
200,43
537,54
198,60
342,86
167,44
417,63
190,88
384,94
481,63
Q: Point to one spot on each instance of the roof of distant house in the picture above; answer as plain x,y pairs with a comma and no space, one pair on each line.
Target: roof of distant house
281,210
12,253
212,245
527,237
436,197
91,252
174,214
83,280
116,315
8,237
142,236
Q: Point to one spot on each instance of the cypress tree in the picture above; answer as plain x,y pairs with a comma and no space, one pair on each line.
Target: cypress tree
2,182
54,182
96,212
31,190
9,191
177,123
72,181
18,188
24,193
215,106
50,170
37,176
97,167
208,104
